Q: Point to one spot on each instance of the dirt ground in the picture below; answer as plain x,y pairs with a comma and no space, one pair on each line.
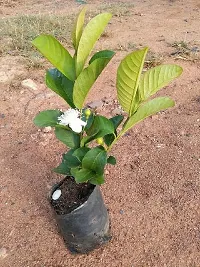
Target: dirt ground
153,194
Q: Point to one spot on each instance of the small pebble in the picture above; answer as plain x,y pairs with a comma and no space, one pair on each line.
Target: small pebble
47,129
2,116
56,194
95,104
121,212
107,172
3,252
30,84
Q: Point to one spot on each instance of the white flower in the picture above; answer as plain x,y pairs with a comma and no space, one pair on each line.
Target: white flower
71,118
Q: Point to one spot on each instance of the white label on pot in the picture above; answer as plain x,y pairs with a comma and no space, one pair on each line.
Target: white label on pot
56,194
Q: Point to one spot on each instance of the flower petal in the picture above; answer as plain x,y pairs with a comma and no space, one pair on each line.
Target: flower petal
76,127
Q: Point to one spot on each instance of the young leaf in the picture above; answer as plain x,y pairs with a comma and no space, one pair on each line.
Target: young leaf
68,137
62,168
102,54
78,28
111,160
97,179
101,126
116,120
154,79
90,35
86,79
59,83
95,160
47,118
82,175
147,109
79,153
59,57
128,76
70,160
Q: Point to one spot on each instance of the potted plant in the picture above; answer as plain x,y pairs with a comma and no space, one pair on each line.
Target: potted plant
80,211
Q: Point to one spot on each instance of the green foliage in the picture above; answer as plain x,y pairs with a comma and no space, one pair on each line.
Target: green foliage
61,85
102,54
116,120
95,159
90,35
62,168
47,118
59,57
68,137
78,28
154,79
111,160
128,76
148,109
86,79
72,79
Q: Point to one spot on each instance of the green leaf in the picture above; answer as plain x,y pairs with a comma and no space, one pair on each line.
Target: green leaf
101,126
86,79
90,35
57,82
59,57
47,118
102,54
111,160
78,28
116,120
68,137
70,159
97,180
82,175
147,109
128,76
62,168
80,153
154,79
95,160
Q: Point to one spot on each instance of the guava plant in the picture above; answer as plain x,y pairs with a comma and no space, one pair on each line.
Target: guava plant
73,76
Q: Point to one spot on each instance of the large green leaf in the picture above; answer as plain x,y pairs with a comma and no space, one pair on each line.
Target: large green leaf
82,175
116,120
100,127
70,159
68,137
47,118
102,54
128,76
61,85
59,57
80,152
95,160
97,179
62,168
78,28
86,79
90,35
147,109
154,79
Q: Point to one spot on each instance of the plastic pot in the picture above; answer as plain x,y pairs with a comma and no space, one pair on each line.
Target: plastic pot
86,227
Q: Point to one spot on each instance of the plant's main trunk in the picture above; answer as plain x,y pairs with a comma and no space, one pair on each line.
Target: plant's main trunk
86,227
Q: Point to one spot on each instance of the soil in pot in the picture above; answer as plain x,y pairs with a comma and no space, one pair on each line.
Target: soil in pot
73,195
81,215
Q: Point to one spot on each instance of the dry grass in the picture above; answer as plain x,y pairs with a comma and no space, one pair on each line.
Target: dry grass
118,9
186,50
17,33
